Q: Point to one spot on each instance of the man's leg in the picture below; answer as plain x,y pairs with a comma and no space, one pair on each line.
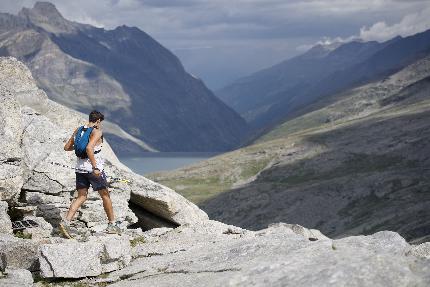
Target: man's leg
107,204
65,224
82,196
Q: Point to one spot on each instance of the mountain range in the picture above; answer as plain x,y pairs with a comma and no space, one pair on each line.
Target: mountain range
139,84
284,91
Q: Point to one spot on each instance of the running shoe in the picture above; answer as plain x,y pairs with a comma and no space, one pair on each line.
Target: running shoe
65,229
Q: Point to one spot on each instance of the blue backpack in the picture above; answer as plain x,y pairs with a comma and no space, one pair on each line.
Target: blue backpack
81,141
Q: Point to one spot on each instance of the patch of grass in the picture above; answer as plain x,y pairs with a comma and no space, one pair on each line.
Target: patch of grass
301,124
254,167
200,189
104,275
137,241
22,234
197,190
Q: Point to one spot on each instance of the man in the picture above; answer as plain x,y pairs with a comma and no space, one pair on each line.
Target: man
89,171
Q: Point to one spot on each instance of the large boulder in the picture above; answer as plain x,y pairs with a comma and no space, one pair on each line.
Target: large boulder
17,253
70,260
164,202
74,259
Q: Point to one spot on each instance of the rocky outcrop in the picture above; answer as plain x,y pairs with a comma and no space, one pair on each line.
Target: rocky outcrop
165,203
215,254
39,174
37,183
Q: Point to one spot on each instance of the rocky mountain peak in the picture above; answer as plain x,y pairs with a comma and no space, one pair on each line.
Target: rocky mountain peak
46,16
46,8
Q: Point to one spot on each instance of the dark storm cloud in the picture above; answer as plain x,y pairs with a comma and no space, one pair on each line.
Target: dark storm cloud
219,40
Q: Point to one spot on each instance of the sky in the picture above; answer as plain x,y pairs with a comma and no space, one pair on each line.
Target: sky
220,41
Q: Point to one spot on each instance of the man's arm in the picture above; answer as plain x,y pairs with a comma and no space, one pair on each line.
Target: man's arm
94,137
69,145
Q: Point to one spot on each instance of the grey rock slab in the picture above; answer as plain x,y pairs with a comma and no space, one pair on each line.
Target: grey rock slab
215,254
96,255
5,223
17,253
44,230
17,278
70,260
383,241
116,252
311,234
186,237
11,178
164,202
42,144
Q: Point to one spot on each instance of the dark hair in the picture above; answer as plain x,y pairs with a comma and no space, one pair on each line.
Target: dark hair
96,115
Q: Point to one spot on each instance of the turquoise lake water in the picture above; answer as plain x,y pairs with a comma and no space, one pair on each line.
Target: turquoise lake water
162,161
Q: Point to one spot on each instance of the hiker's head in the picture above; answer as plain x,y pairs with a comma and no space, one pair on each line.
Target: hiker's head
96,118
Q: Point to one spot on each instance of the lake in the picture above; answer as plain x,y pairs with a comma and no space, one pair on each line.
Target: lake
162,161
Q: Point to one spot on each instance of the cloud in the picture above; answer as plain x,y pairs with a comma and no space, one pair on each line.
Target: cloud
218,39
409,25
84,19
381,31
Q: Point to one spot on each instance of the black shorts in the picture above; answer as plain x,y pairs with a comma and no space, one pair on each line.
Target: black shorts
84,180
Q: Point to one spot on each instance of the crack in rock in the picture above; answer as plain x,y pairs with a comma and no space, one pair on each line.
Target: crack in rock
49,263
54,180
128,276
151,254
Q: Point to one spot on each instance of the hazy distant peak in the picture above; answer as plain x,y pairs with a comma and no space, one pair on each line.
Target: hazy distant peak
46,16
321,50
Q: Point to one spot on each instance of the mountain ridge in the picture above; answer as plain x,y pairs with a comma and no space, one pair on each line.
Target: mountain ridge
288,87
